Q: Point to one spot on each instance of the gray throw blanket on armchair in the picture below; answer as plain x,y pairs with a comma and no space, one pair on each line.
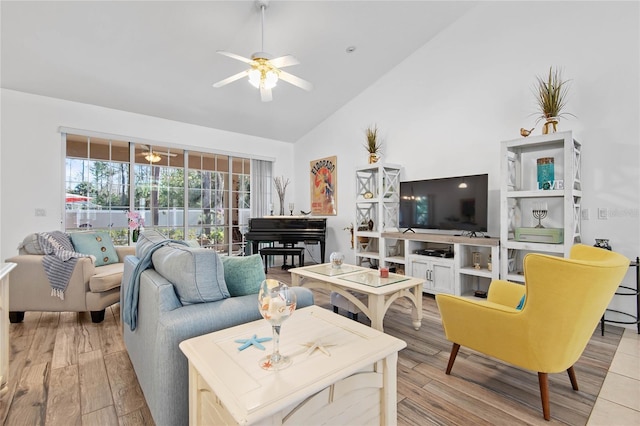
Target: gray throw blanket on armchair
59,260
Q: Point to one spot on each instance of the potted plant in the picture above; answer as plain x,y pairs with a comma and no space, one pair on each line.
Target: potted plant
136,222
373,145
551,97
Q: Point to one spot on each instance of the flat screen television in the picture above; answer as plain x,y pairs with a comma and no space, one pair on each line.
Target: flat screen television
457,204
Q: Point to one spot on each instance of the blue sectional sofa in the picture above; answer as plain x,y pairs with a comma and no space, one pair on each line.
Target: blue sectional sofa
181,295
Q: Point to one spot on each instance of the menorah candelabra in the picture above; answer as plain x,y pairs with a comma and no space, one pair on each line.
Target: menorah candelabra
540,212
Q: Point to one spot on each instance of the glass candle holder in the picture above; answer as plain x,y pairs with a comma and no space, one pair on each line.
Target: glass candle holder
336,259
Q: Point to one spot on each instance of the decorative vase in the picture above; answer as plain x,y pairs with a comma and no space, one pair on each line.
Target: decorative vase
373,158
550,126
134,235
281,196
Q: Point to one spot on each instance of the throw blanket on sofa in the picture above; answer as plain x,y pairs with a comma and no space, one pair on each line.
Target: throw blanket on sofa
59,260
129,309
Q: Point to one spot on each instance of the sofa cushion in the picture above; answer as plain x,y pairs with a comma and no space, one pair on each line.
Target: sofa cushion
243,274
96,243
107,277
146,240
197,274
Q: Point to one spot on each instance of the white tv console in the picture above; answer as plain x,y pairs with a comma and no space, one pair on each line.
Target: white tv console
453,275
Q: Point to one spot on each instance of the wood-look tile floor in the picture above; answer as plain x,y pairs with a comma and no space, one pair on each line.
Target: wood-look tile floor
65,370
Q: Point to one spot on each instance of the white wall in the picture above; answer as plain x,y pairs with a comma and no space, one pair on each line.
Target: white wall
445,110
32,160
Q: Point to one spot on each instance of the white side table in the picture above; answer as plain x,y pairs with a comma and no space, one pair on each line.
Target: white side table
355,384
4,324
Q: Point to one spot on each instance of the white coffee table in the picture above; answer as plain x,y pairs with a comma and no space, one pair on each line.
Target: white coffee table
380,292
355,384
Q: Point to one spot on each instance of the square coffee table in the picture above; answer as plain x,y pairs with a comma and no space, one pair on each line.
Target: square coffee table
356,383
380,292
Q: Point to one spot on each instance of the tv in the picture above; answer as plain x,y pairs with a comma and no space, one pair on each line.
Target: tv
453,204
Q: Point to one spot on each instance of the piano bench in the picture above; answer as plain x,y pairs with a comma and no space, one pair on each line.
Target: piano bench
282,251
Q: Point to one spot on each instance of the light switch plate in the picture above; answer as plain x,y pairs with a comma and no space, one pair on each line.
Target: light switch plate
586,214
602,213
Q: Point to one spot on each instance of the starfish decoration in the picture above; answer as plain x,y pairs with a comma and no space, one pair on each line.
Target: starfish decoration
254,340
317,345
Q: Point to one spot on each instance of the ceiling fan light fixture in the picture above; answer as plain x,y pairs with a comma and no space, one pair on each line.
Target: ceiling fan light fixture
261,78
152,157
262,74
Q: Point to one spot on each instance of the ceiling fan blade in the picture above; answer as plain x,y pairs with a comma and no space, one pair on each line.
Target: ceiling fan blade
284,61
296,81
265,95
237,57
168,154
231,79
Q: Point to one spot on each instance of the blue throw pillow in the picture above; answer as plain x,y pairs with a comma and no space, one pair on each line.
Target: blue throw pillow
196,273
96,243
521,304
146,241
243,274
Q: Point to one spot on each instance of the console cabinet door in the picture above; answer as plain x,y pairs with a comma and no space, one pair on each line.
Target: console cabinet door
442,280
438,275
420,269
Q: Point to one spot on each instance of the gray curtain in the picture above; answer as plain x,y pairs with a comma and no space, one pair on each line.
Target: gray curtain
261,187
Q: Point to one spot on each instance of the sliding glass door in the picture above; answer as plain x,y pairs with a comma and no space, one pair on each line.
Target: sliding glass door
184,194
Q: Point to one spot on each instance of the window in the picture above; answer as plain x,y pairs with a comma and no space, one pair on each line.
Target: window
208,177
183,194
97,183
159,189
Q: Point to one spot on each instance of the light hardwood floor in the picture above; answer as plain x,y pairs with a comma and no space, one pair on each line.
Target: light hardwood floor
65,370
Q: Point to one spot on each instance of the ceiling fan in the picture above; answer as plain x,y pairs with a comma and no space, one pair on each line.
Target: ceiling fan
264,70
154,156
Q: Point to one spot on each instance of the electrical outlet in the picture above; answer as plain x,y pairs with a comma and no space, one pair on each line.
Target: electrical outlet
41,212
603,213
585,214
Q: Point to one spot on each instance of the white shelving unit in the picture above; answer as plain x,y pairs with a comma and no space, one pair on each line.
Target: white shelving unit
519,194
377,204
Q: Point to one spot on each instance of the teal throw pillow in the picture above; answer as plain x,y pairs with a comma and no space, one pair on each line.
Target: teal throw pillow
521,304
98,244
243,274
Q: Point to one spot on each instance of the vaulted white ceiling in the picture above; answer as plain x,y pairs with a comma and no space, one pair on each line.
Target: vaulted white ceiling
159,58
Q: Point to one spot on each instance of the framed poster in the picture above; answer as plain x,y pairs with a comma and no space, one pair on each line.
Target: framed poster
324,186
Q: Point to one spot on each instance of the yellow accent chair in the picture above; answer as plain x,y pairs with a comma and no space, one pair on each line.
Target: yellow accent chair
564,299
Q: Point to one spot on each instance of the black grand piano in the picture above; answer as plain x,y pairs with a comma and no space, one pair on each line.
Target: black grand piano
287,230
